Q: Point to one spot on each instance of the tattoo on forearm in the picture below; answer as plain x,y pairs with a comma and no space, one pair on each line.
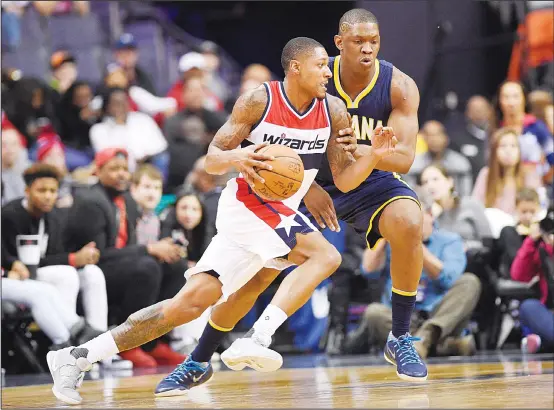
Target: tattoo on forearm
338,158
340,119
247,111
143,326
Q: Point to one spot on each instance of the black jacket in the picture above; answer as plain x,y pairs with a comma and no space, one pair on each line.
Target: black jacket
94,217
16,220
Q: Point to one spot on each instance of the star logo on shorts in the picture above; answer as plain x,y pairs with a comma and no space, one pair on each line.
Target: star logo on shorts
287,223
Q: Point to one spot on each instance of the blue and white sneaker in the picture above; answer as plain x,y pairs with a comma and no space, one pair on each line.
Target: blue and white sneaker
187,375
401,353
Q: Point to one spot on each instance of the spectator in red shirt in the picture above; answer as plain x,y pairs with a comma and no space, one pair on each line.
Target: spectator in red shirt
193,64
536,319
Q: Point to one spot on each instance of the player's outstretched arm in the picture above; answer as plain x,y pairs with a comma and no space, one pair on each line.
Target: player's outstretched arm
224,153
349,173
403,120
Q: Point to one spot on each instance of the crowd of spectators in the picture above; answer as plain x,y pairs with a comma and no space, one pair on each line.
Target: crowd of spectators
110,178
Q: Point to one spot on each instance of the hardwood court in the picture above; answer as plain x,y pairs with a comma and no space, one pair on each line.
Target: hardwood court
509,384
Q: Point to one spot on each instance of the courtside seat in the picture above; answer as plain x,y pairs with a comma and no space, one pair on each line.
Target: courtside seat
16,320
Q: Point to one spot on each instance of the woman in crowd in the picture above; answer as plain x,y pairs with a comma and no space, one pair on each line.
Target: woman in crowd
497,184
464,216
29,107
186,223
77,117
537,150
536,316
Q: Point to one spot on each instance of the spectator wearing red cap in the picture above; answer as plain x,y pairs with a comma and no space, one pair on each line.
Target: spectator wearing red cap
106,214
73,158
14,162
51,151
135,131
126,55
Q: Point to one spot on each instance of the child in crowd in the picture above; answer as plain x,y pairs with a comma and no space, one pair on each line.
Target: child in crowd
511,237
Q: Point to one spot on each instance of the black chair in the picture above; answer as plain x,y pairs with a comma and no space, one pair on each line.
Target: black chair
508,296
18,342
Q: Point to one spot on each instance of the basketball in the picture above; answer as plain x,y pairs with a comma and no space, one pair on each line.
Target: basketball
286,177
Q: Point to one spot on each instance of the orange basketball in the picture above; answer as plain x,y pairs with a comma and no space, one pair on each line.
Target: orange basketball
286,177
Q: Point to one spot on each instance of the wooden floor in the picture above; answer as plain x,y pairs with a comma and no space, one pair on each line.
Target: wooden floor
506,384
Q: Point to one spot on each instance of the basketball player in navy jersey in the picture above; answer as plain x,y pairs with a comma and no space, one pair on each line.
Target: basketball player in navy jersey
383,206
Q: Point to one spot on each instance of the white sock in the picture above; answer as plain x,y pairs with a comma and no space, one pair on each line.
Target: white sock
101,347
270,320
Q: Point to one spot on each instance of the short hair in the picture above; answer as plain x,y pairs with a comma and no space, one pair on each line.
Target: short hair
295,48
356,16
147,170
37,171
527,195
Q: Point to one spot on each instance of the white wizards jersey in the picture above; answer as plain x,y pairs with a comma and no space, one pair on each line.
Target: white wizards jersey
307,134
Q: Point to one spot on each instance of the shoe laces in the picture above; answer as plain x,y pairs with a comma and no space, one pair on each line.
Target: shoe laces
187,369
407,354
72,376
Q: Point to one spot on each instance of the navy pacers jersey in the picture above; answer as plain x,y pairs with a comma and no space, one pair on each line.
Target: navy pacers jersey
362,206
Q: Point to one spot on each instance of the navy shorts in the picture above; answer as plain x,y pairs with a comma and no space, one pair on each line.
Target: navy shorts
362,207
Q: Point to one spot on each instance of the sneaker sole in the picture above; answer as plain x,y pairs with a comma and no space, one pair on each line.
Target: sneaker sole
59,396
404,376
175,393
260,364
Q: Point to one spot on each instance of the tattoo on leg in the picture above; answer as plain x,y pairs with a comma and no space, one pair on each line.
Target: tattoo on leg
143,326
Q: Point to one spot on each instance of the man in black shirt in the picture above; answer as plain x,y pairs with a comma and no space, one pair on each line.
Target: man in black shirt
68,272
106,214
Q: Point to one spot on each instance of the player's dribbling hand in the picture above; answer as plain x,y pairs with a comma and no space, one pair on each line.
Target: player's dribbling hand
248,161
383,141
320,205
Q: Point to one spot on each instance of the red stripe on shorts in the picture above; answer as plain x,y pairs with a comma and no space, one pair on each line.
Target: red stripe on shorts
266,211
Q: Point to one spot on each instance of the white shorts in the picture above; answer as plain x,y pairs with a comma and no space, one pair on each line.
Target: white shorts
251,234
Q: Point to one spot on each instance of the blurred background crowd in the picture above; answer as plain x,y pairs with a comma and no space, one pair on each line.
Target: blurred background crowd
107,112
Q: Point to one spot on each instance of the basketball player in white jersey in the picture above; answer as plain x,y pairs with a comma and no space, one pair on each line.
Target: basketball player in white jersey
252,233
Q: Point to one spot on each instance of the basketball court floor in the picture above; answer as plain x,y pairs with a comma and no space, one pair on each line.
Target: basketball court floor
489,380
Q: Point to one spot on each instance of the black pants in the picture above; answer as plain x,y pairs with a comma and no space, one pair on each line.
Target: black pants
173,279
132,284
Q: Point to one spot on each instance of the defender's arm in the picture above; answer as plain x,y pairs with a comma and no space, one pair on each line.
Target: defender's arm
348,173
223,154
403,120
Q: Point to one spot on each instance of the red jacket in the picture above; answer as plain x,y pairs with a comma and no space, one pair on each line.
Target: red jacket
527,265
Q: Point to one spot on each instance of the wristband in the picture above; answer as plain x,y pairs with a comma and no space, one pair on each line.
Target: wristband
71,259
